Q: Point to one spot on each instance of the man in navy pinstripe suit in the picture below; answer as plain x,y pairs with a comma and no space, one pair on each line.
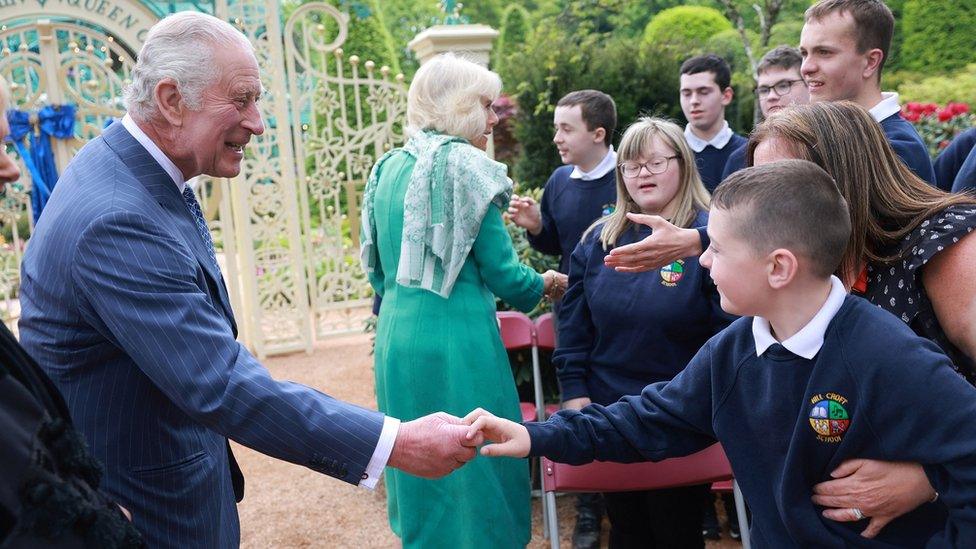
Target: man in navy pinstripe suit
124,306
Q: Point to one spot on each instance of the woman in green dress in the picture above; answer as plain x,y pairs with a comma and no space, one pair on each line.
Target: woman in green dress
436,250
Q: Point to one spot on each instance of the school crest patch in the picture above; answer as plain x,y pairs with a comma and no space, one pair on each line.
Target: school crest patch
671,274
828,417
608,209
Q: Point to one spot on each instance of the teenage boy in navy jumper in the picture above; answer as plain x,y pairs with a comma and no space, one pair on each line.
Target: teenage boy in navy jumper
581,191
950,161
778,85
965,180
575,196
845,44
814,377
705,92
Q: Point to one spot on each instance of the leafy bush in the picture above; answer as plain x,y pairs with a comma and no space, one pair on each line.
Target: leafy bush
938,36
515,30
960,86
684,29
553,63
938,125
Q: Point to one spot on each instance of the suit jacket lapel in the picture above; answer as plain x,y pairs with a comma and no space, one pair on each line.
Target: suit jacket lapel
162,187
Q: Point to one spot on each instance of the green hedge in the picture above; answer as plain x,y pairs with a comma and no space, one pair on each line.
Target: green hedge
684,28
938,36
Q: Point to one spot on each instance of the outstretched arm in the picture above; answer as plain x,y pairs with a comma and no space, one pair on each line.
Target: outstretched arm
666,244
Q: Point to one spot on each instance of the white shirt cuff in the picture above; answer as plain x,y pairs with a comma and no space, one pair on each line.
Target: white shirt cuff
391,426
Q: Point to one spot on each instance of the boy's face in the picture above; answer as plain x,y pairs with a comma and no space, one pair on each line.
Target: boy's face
832,66
739,273
575,143
702,101
771,101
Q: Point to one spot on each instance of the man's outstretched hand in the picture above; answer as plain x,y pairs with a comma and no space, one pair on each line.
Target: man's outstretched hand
433,446
666,244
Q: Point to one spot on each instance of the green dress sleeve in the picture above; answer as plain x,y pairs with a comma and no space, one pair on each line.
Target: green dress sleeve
507,278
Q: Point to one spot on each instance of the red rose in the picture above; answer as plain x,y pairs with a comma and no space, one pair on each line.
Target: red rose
913,106
911,116
943,144
945,115
929,108
960,108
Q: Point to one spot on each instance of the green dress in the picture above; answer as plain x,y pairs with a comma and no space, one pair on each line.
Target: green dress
436,354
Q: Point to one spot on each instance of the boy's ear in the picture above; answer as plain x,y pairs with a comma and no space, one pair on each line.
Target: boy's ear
781,268
727,95
599,135
873,58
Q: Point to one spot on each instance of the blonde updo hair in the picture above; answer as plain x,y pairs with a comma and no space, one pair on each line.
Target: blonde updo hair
446,95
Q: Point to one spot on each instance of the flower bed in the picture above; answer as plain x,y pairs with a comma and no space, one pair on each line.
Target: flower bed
938,125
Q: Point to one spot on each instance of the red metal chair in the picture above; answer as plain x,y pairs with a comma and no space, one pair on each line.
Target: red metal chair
518,332
707,466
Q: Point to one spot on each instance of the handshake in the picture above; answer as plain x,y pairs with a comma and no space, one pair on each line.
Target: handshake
437,444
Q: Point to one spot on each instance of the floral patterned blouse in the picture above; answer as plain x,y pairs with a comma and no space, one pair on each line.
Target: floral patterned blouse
897,286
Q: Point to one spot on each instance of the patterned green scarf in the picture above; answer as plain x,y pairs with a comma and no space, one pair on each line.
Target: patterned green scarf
450,189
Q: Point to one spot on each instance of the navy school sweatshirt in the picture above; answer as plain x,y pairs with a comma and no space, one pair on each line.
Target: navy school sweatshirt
711,161
951,159
908,145
874,390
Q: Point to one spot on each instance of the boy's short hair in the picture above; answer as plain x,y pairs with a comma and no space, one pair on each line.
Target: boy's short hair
597,108
874,23
710,63
790,204
780,57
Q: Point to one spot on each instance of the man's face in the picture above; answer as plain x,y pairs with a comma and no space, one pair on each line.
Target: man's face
767,83
9,172
575,143
212,140
832,66
703,102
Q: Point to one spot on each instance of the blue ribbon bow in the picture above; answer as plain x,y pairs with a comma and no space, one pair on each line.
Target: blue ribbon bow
52,121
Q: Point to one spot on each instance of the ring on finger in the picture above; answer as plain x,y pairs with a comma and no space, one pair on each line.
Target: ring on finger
858,515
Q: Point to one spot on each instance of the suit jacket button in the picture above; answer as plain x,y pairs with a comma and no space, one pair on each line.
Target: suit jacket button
364,476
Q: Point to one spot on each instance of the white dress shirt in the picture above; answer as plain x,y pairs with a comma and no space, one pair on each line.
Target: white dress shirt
608,164
888,106
719,141
808,341
391,426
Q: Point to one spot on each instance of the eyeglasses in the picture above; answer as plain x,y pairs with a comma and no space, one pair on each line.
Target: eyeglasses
654,167
781,88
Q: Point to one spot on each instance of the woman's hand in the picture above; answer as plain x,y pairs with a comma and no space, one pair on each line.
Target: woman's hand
667,244
880,490
554,284
576,403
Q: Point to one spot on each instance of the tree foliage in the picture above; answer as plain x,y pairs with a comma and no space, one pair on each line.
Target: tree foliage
684,28
939,36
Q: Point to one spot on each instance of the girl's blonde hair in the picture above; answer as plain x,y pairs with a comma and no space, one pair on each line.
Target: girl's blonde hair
692,197
446,95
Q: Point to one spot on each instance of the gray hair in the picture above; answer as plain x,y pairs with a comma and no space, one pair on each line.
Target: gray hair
180,47
446,95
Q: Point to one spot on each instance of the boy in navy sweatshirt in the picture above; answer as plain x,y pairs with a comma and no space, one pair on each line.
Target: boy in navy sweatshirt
705,92
808,378
581,191
845,44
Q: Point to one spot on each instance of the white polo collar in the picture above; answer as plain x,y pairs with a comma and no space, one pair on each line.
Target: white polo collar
608,164
886,107
154,151
808,341
719,141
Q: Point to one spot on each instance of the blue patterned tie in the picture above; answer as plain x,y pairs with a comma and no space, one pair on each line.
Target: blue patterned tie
194,207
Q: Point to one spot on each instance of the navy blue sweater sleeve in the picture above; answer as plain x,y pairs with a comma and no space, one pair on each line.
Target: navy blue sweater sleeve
736,162
965,180
547,241
931,424
908,145
951,159
668,419
576,329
